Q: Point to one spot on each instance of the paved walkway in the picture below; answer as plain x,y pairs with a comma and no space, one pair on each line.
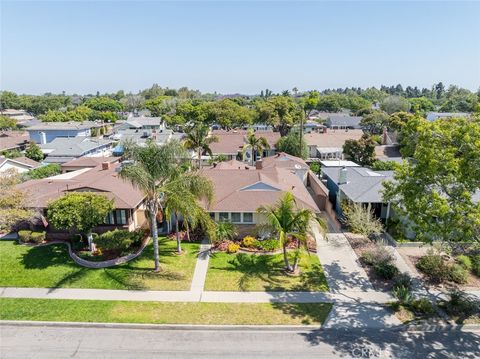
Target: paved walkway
201,267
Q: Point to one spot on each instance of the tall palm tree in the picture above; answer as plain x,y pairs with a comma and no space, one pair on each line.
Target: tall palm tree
198,140
181,198
153,167
289,221
255,144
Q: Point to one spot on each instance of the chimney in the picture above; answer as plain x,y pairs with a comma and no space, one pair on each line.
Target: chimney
105,165
342,175
384,136
259,165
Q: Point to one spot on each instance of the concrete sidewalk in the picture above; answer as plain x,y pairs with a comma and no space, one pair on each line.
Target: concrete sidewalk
201,268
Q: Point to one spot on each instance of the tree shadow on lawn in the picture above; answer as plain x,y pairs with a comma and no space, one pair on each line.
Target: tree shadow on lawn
47,256
311,313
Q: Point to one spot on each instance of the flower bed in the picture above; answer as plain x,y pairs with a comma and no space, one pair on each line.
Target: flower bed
252,245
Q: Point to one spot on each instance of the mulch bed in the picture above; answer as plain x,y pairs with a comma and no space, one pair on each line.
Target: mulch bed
361,244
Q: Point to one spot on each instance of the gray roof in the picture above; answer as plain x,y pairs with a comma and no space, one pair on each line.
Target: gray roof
139,122
363,184
344,121
74,146
138,137
432,116
70,125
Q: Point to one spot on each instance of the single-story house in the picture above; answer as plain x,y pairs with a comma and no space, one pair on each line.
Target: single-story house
230,143
358,185
432,116
19,164
388,153
140,137
13,140
240,190
22,117
343,121
86,162
329,144
46,132
129,212
312,126
141,123
62,150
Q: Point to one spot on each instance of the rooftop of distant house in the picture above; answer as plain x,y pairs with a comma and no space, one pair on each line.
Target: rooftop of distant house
21,160
72,147
69,125
343,120
431,116
231,142
332,138
247,188
103,179
388,153
13,139
363,185
84,162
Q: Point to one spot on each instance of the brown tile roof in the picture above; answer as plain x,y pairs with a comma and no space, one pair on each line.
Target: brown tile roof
284,160
24,160
244,190
12,139
107,182
387,152
89,161
231,142
232,165
332,138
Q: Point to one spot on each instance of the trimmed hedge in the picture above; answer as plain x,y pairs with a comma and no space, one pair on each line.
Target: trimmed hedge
27,236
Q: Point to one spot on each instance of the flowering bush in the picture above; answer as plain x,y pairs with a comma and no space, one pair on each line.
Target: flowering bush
249,242
233,247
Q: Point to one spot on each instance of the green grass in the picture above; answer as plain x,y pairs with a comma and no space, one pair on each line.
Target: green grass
250,272
162,312
51,267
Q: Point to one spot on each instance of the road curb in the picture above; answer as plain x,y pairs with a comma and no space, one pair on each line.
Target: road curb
295,328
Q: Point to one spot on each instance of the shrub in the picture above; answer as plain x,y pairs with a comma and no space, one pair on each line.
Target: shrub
385,270
249,242
268,244
422,306
464,261
434,267
460,303
25,235
120,240
37,237
361,220
376,256
402,294
457,274
233,247
403,280
476,264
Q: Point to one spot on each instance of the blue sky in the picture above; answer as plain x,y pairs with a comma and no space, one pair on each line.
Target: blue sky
234,47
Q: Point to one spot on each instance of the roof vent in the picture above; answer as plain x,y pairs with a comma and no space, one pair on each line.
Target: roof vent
105,165
342,175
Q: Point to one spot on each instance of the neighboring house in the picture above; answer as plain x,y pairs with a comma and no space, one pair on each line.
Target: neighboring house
258,127
312,127
388,153
62,150
13,140
46,132
329,144
19,164
240,190
141,123
230,143
432,116
140,137
23,118
129,212
358,185
343,121
86,162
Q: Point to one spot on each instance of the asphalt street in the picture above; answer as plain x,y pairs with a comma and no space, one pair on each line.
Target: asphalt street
25,341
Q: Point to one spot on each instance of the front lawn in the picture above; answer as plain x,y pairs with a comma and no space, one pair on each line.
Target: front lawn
51,267
63,310
257,272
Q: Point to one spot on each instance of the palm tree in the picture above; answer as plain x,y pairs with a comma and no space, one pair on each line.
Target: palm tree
181,198
289,222
152,168
255,144
198,140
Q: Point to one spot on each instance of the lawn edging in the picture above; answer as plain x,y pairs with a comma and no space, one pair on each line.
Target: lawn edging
89,264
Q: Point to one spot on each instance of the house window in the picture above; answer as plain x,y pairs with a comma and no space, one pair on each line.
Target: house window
248,217
117,217
236,217
223,216
110,219
212,215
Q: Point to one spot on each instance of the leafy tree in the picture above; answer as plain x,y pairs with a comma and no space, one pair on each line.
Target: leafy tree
228,114
160,105
53,116
361,220
397,120
11,153
360,151
49,170
435,191
9,100
289,221
393,104
385,165
459,100
7,123
291,144
279,111
34,152
12,201
133,102
80,211
216,159
225,230
374,122
104,103
153,171
255,144
421,104
198,140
